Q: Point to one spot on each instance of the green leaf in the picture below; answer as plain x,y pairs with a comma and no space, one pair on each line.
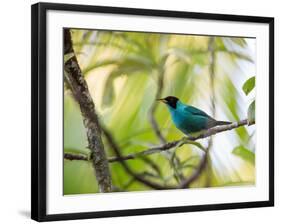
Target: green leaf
244,154
252,112
249,85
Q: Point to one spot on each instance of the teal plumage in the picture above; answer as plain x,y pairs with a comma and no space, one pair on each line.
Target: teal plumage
189,119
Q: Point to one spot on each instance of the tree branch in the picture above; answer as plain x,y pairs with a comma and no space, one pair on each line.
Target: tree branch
185,183
70,156
184,140
74,78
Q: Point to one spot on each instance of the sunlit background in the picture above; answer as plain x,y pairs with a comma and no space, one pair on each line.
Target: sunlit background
124,71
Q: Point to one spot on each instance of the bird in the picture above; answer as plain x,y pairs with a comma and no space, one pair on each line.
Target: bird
189,119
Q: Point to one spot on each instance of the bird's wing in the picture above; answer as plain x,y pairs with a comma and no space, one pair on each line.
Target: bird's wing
211,122
195,111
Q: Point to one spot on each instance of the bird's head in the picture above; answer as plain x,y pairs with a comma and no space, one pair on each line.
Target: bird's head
170,100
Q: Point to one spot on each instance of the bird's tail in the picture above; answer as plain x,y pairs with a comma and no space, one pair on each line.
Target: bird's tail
223,122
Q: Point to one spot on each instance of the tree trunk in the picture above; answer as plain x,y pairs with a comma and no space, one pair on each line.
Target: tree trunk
80,91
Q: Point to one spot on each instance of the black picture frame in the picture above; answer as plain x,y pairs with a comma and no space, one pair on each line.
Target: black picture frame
38,108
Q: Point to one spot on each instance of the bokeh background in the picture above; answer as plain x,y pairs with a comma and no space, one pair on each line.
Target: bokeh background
125,71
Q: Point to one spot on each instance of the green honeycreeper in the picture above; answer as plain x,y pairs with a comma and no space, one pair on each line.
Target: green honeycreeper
189,119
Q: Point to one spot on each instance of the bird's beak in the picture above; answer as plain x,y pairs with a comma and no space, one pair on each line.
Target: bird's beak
162,100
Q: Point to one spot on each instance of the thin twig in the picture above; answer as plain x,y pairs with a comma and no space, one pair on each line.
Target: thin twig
151,117
212,74
155,127
70,156
211,48
202,165
137,177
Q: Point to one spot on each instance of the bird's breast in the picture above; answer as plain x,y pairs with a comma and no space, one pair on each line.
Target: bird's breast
181,121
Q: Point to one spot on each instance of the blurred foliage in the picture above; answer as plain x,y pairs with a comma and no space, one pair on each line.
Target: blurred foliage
122,70
244,153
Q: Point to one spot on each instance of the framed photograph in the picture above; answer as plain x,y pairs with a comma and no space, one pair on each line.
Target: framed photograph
139,111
